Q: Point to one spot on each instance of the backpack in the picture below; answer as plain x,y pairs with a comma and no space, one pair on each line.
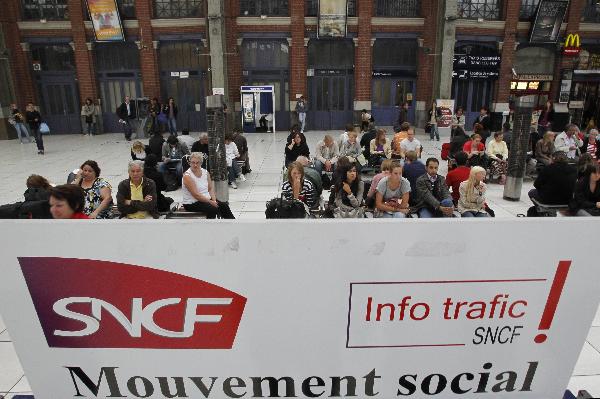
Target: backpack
281,208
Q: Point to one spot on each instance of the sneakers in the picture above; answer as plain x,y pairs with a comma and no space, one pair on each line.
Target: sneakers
233,185
242,178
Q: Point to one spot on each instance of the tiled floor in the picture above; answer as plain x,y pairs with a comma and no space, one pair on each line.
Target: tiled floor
65,153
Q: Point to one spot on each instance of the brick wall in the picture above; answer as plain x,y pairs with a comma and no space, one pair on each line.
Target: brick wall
508,50
83,57
148,54
19,60
363,52
425,61
299,53
234,60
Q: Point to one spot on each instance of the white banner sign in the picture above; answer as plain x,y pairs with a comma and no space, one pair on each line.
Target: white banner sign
421,308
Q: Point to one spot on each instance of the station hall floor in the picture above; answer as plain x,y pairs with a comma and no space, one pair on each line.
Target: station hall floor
66,152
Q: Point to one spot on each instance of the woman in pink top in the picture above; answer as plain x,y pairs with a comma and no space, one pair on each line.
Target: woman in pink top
386,167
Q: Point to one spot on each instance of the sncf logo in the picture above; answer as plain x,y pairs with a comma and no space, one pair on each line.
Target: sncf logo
96,304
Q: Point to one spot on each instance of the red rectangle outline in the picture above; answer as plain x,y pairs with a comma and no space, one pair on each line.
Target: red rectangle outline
525,280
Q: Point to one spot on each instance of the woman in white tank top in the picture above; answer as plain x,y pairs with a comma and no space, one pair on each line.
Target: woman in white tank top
198,191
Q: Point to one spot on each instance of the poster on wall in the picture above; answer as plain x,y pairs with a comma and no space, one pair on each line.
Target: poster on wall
248,107
188,312
332,18
549,17
447,108
106,20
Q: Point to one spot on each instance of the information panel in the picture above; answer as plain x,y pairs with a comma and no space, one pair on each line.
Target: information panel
189,309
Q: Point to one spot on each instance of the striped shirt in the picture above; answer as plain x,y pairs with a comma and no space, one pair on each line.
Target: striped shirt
308,194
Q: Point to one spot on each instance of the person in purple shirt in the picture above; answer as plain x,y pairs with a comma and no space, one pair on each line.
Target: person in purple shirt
413,169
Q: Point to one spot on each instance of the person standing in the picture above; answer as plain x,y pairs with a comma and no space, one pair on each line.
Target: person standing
18,121
170,110
301,110
435,113
486,123
153,112
34,120
127,114
403,114
88,113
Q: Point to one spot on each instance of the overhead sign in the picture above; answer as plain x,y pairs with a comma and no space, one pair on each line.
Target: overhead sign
476,61
475,74
332,18
534,76
183,312
106,20
548,19
572,45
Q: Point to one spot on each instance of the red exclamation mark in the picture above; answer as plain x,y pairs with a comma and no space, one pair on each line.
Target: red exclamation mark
553,297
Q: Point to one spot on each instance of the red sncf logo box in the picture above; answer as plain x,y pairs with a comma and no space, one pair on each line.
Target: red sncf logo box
84,303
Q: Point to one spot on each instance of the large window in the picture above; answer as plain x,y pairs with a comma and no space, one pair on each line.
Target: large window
178,8
528,9
116,56
265,54
53,57
175,56
254,8
591,11
45,9
331,54
395,53
480,9
312,8
396,8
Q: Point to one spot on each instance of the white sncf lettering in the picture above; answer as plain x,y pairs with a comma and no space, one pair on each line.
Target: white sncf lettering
140,316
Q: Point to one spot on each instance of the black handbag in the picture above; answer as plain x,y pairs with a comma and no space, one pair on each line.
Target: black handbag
428,128
282,208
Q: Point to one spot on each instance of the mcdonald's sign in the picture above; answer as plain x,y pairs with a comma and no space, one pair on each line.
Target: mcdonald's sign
572,45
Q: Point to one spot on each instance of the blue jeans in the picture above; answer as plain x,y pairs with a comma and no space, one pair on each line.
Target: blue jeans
320,166
39,138
434,132
427,213
22,131
395,215
302,120
90,128
164,167
234,171
172,125
471,214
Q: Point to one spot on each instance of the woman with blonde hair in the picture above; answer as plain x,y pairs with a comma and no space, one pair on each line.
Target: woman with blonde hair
139,151
472,194
544,148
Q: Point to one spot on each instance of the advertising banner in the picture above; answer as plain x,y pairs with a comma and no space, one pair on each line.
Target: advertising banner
106,20
548,19
332,18
447,108
298,309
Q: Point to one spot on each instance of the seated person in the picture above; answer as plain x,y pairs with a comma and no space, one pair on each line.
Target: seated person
410,143
172,153
337,176
66,202
351,149
544,149
136,196
139,151
365,140
311,174
155,144
457,142
185,138
232,154
475,151
348,193
397,152
497,151
569,142
556,182
295,148
386,167
242,145
471,202
458,175
199,193
36,204
344,136
586,197
326,155
262,122
202,146
583,162
297,187
98,192
151,172
295,129
413,169
507,132
591,145
379,149
432,196
393,194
